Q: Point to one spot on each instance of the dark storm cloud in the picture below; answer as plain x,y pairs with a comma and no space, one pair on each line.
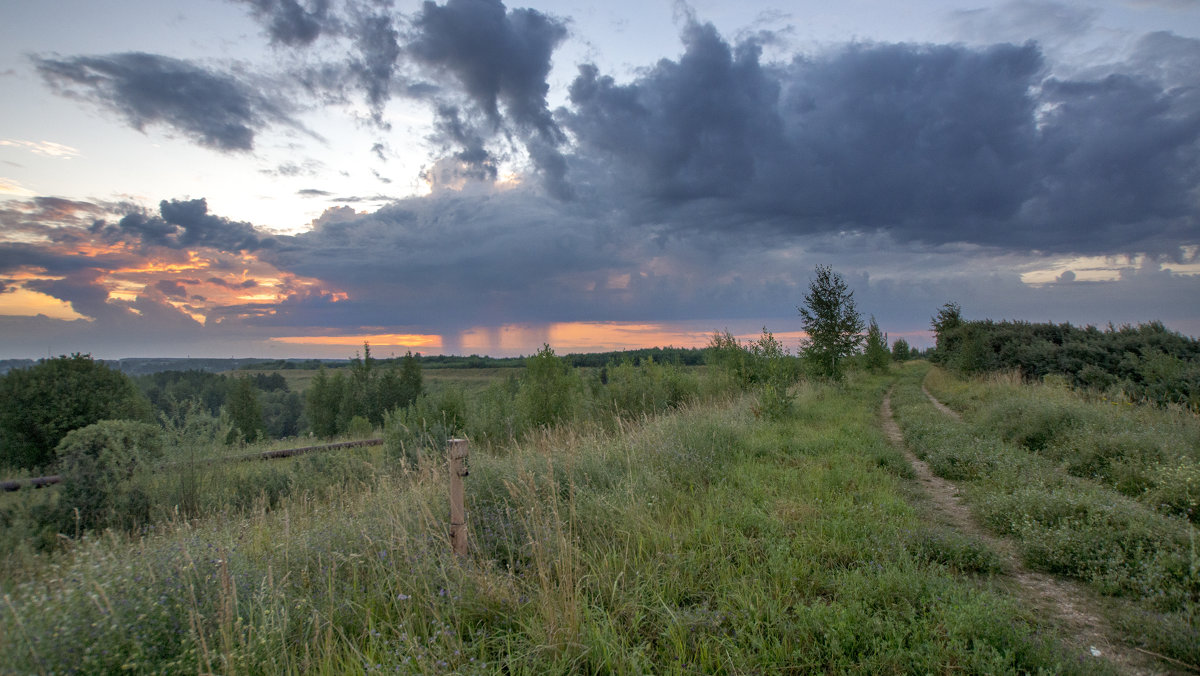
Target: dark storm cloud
498,56
290,23
185,224
1119,161
246,284
171,289
513,254
501,59
17,255
52,217
377,40
929,143
214,109
82,290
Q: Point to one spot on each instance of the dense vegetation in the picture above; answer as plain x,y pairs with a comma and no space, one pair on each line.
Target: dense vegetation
702,540
41,404
638,515
1147,362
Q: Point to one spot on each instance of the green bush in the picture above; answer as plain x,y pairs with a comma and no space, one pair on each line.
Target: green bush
416,431
41,404
96,464
550,391
359,427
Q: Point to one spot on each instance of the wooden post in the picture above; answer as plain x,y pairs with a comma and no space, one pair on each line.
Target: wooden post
458,513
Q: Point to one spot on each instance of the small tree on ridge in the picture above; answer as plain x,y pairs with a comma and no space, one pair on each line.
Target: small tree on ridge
833,325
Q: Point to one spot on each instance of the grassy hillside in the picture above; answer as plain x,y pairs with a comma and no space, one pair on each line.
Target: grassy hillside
1096,490
703,540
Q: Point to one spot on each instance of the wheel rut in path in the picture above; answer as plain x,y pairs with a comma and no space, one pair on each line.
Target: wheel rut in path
1066,601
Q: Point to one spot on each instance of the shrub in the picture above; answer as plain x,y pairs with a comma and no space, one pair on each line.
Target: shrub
360,427
96,463
550,391
416,431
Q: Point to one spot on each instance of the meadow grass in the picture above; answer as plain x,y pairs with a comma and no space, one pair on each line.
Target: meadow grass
703,540
1022,454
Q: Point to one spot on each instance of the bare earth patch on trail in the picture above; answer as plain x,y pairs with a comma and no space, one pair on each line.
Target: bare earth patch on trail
1067,602
936,404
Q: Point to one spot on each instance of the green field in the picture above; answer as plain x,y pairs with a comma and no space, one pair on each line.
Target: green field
711,537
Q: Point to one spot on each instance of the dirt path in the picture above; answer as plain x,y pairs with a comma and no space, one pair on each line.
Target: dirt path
940,406
1067,602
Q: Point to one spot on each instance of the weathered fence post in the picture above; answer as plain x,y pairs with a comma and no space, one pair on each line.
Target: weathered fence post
458,513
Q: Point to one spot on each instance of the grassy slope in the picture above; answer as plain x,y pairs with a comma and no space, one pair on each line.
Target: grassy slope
704,541
1091,490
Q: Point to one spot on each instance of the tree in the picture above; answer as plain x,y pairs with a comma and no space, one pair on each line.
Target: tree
245,411
549,391
41,404
945,327
410,379
834,327
876,353
397,388
901,350
323,401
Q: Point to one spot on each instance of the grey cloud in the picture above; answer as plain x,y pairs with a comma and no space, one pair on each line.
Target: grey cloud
378,45
1020,20
501,59
313,192
477,163
171,289
214,109
247,284
930,143
187,223
290,23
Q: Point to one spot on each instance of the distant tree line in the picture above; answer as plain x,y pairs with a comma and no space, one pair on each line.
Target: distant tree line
1148,362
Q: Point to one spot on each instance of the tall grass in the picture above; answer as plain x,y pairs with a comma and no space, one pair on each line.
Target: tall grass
700,540
1084,487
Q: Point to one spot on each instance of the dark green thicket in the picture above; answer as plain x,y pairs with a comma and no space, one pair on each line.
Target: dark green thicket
41,404
1146,362
366,390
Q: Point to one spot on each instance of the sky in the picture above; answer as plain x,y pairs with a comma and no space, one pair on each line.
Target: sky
291,178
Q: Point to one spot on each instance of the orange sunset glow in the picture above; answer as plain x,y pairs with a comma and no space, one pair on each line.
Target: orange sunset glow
401,340
195,283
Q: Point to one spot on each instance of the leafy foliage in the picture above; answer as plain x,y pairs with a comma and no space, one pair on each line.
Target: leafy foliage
1146,362
41,404
833,324
366,390
901,351
96,463
550,390
876,355
245,411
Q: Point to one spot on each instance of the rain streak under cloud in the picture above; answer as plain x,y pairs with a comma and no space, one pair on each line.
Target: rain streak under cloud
1025,172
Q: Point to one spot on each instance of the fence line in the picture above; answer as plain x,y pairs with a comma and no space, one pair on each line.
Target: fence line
43,481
